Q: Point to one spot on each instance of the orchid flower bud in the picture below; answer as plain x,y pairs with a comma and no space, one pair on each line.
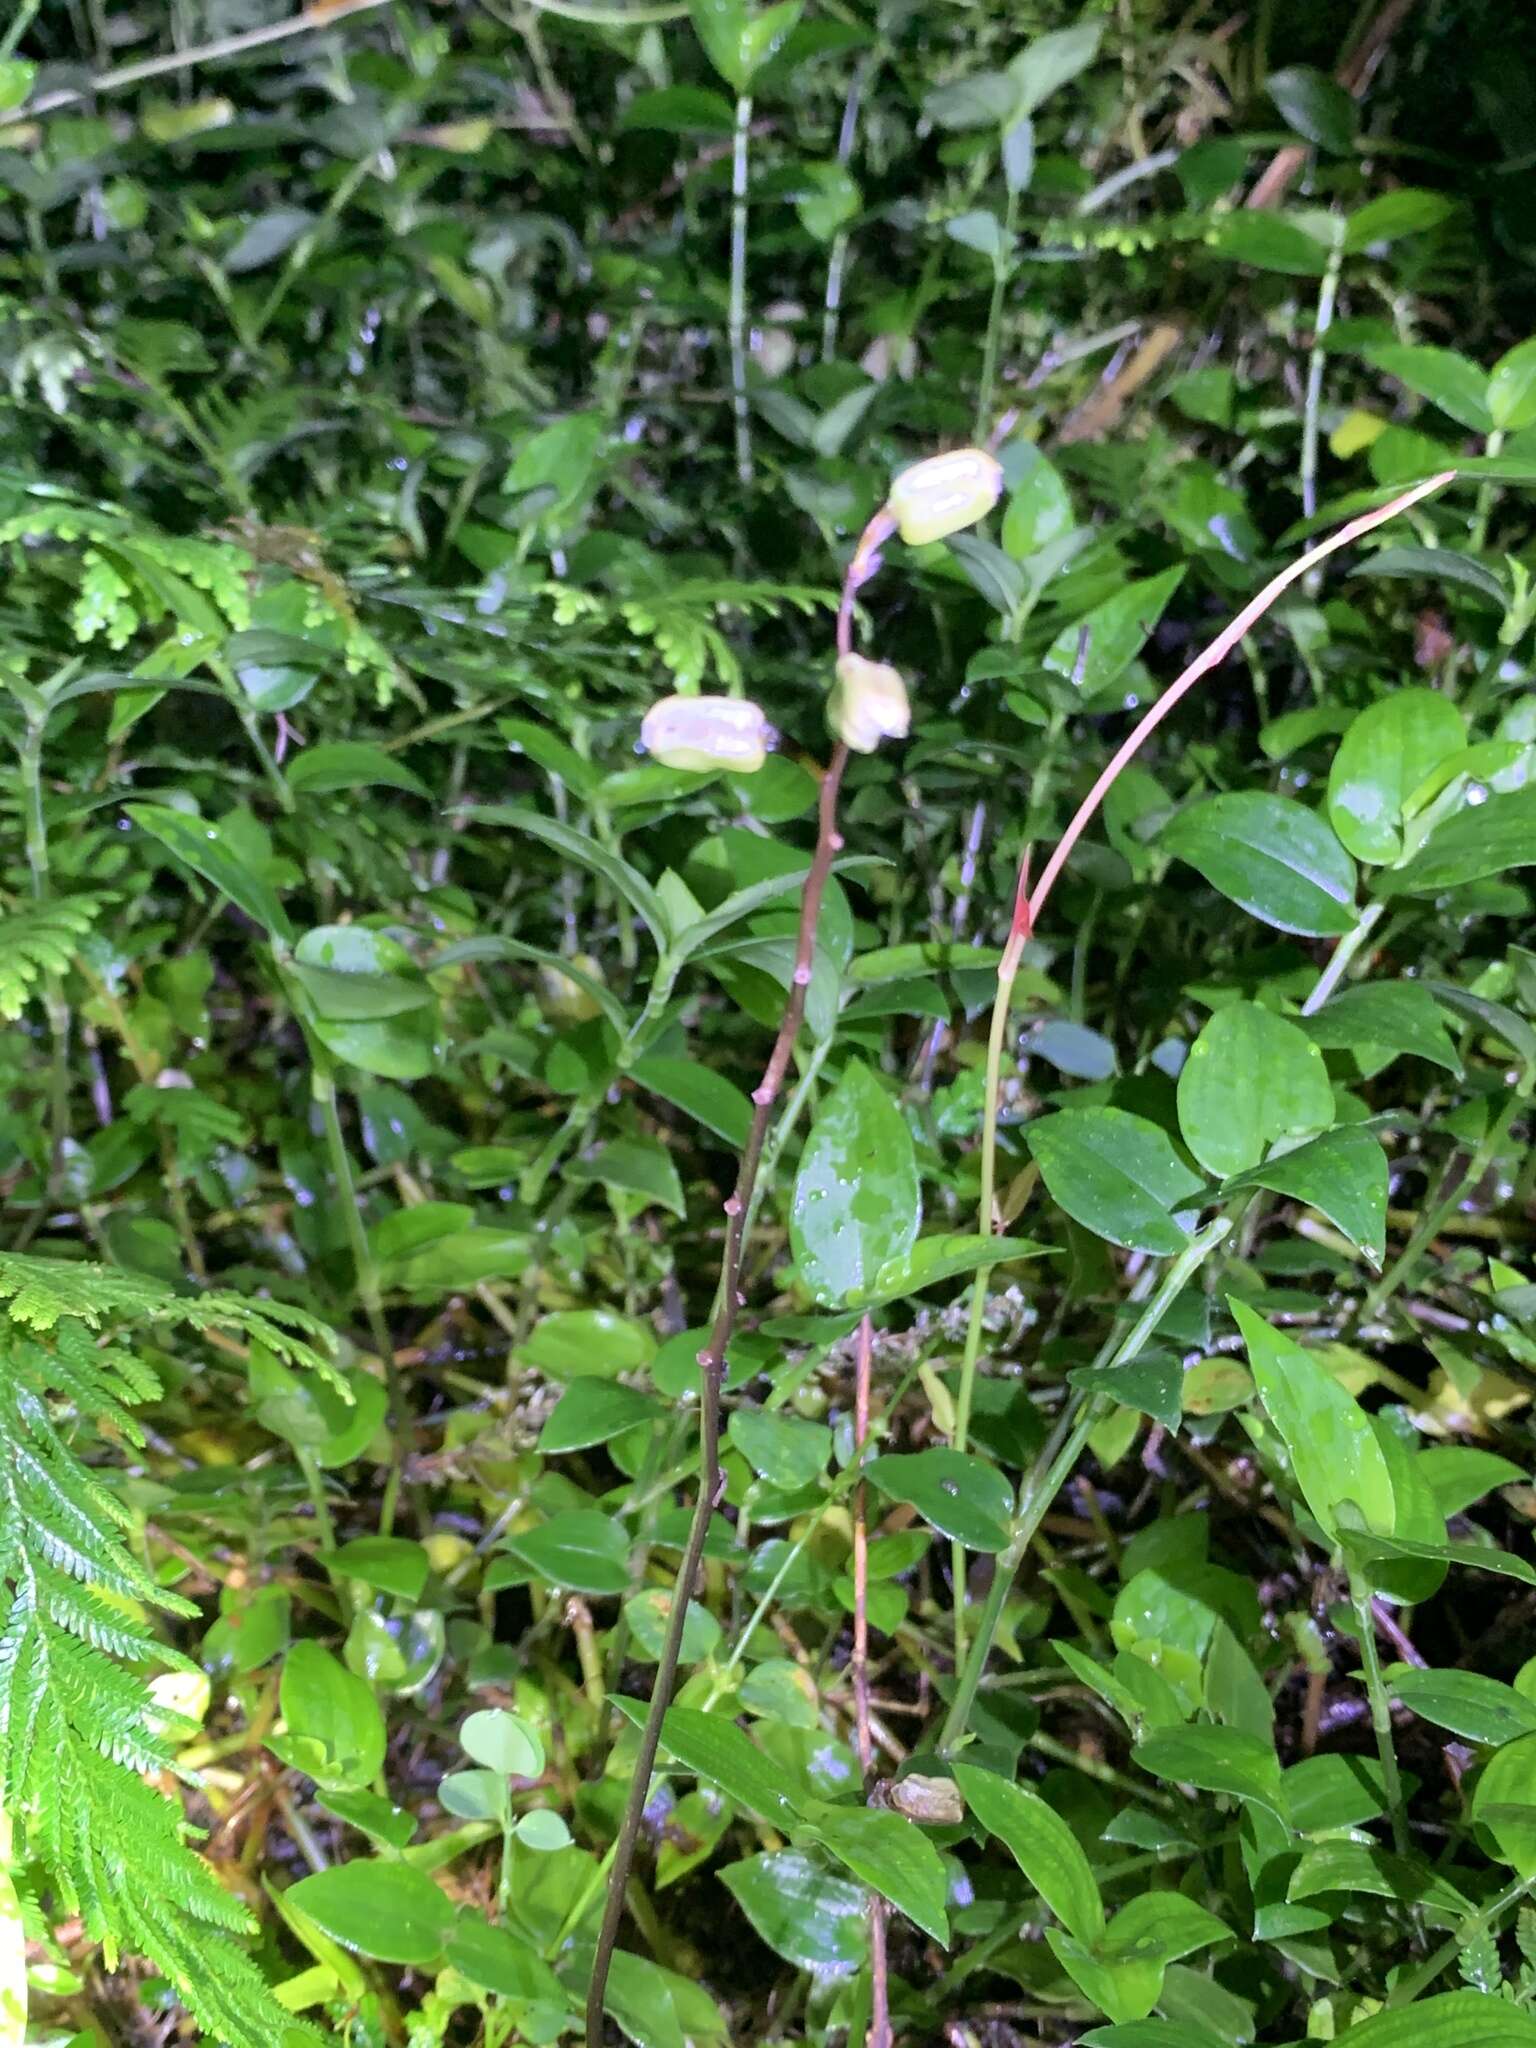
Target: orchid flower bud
868,704
945,493
703,734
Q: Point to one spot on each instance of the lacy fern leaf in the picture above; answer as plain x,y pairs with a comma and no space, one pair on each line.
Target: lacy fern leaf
86,1751
39,940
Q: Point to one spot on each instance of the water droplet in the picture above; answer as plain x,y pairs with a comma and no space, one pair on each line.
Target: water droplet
951,1487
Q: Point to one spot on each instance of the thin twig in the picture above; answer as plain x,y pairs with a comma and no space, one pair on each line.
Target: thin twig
321,17
739,1209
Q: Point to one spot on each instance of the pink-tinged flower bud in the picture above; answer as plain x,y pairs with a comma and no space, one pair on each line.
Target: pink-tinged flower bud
945,493
704,734
868,704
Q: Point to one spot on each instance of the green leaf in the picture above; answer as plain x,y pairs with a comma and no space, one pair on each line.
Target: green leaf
641,1167
1387,752
738,42
16,77
1116,1174
1215,1760
1251,1078
1410,210
1039,509
1343,1175
1454,2019
1271,855
1512,388
363,998
1504,1803
594,1411
892,1854
937,1258
391,1563
806,1913
658,2009
1482,839
1385,1016
1471,1705
389,1911
498,1961
1094,652
648,1615
1052,60
1315,105
1333,1449
349,764
1042,1845
587,1343
1269,241
578,1549
785,1450
335,1730
1124,1975
204,847
962,1496
856,1204
982,99
1446,379
577,846
829,199
713,1748
503,1743
679,110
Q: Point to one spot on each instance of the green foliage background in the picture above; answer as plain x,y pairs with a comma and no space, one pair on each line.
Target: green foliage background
401,397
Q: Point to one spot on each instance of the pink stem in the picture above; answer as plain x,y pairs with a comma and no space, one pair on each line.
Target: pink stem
1212,657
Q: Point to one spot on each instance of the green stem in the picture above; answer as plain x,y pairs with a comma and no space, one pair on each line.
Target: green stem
323,1085
1381,1712
738,305
1054,1465
1001,272
1483,510
1327,297
985,1223
1343,954
1437,1214
305,247
36,827
1413,1986
320,1507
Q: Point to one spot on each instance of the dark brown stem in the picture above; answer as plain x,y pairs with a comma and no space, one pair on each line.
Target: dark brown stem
711,1374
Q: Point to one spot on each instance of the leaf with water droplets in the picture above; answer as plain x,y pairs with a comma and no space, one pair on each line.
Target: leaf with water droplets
962,1497
857,1203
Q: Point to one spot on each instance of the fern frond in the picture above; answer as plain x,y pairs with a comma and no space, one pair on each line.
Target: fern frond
37,941
199,1125
41,1290
85,1747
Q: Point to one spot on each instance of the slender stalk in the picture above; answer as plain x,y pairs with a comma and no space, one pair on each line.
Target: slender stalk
712,1374
323,1086
986,1219
1487,491
1343,954
1437,1214
184,60
837,257
1381,1712
1418,1981
1054,1465
1210,658
738,304
1001,272
1327,297
36,828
